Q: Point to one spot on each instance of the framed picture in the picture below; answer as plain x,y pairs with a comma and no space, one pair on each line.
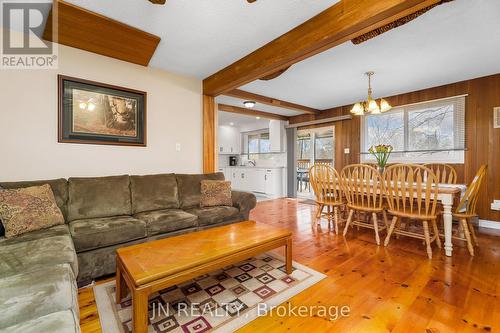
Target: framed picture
97,113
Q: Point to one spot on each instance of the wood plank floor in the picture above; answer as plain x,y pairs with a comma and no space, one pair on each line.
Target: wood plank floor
393,289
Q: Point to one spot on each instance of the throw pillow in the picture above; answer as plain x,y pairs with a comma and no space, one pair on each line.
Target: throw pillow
215,193
28,209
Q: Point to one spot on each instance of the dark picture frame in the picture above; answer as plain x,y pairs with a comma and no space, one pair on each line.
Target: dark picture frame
92,112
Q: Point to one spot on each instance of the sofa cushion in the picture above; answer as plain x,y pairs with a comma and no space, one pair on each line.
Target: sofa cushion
37,249
214,215
57,322
153,192
37,293
95,233
168,220
190,188
59,188
98,197
27,209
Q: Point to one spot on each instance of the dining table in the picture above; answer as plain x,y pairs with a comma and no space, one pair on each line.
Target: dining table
447,194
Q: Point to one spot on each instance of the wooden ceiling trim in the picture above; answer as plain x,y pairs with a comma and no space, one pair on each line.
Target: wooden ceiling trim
344,21
270,101
393,25
89,31
251,112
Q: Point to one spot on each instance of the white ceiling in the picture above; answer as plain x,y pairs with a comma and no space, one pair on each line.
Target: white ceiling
241,121
259,106
200,37
453,42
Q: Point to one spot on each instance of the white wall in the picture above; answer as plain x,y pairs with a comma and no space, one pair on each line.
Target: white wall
28,122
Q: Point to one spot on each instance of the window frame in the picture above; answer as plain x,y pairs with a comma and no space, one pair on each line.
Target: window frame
456,155
259,135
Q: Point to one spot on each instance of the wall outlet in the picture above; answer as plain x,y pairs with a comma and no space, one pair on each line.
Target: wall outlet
347,150
177,147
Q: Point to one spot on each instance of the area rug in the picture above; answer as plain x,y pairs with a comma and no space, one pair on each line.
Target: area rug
221,301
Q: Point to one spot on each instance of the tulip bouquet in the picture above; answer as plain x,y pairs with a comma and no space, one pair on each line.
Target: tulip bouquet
381,153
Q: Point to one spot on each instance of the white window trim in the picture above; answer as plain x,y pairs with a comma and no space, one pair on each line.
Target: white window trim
451,156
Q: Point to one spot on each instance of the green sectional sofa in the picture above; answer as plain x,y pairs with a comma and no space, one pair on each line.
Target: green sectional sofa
39,270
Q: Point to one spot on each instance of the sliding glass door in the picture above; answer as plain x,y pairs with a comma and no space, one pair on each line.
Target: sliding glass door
312,146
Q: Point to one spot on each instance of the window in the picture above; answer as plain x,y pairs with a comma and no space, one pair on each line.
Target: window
259,143
315,146
425,132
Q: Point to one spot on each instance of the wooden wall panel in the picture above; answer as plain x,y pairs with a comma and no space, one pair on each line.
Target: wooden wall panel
482,140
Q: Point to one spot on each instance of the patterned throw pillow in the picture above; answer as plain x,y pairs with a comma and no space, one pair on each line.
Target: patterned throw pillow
215,193
28,209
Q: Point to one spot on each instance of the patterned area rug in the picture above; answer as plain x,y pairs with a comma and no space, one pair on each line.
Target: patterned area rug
221,301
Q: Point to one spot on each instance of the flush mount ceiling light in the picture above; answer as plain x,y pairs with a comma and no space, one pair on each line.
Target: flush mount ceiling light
249,104
370,105
257,117
231,124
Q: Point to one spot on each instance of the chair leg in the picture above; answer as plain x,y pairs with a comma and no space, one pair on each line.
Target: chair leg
375,227
336,219
436,233
427,239
321,207
391,229
329,214
467,236
384,213
472,232
349,219
320,210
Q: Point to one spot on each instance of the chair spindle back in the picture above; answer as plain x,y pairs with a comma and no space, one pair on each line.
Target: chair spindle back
362,186
325,182
445,173
411,190
467,205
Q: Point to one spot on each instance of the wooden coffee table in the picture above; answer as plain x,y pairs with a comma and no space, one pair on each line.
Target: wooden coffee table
150,267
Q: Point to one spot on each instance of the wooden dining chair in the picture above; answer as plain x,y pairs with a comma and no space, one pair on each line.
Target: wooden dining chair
362,187
445,173
325,182
466,209
412,192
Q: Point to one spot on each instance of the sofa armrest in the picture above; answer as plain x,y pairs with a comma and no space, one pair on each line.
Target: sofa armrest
244,201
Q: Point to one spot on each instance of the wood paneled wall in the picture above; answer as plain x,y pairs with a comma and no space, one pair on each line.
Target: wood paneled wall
482,140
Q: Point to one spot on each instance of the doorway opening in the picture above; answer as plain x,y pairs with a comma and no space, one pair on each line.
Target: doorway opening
313,146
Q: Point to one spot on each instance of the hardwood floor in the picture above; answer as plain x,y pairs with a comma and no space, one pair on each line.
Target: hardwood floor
393,289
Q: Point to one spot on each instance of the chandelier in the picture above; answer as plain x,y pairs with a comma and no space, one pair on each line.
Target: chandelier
370,105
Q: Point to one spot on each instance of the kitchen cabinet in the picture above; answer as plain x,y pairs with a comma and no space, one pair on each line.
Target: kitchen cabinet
277,135
254,179
228,140
274,182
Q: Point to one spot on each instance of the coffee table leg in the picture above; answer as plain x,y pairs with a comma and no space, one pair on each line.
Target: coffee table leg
121,287
140,309
288,250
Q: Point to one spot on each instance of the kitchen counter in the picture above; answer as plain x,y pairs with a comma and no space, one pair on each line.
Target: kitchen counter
252,167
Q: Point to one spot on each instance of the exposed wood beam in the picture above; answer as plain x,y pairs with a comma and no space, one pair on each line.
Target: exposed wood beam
270,101
209,134
343,21
251,112
89,31
274,75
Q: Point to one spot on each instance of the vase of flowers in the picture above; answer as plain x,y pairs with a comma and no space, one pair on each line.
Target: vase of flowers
381,153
